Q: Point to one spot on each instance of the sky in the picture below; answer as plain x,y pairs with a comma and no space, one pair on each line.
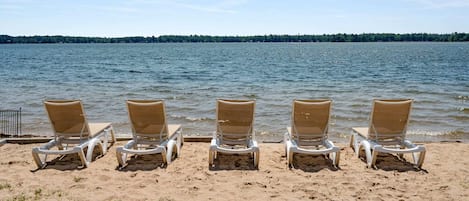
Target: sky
119,18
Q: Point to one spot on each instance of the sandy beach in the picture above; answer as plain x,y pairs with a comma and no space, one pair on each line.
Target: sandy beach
444,176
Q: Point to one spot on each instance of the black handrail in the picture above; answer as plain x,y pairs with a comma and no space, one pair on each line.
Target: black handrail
10,122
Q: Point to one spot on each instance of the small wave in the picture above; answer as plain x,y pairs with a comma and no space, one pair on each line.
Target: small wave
436,133
35,104
135,71
156,89
251,96
358,105
28,86
175,98
345,117
461,118
117,81
463,109
413,91
125,71
105,64
192,119
462,97
130,94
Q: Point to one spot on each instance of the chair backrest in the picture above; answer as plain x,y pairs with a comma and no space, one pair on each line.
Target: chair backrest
148,119
235,119
310,120
67,118
389,119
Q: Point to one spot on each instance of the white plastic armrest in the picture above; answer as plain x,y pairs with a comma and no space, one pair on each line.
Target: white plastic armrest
129,144
49,145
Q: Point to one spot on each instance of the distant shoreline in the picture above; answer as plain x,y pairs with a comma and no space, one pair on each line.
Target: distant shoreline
364,37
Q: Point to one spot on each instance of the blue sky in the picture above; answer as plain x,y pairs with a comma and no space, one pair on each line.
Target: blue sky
114,18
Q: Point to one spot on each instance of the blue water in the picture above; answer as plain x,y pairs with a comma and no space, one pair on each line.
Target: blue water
191,76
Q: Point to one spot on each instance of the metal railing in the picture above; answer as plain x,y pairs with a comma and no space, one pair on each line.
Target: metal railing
10,122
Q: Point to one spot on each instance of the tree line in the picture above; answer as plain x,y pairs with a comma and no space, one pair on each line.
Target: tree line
365,37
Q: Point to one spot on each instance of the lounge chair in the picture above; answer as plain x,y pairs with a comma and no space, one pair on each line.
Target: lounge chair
70,127
308,133
150,132
235,132
386,132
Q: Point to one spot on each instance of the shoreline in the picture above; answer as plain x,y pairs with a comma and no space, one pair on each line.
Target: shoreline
31,138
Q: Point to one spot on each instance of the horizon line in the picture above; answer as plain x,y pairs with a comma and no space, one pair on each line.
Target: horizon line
205,35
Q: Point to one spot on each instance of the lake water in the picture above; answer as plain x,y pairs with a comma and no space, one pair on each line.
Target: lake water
191,76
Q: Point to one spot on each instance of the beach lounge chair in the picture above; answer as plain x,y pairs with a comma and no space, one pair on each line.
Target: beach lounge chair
150,132
235,132
386,132
308,133
70,127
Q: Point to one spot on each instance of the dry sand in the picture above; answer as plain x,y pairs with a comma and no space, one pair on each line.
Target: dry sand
445,177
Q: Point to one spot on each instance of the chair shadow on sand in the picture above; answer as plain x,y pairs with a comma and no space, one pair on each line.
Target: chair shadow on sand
145,162
391,162
233,162
70,161
312,163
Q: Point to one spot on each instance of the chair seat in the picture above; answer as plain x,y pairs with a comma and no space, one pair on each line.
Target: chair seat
97,128
363,131
172,128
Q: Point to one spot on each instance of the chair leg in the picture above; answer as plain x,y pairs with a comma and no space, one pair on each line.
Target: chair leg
179,142
211,156
113,136
81,154
355,144
256,159
290,156
180,138
373,158
89,152
121,158
38,160
169,151
337,158
366,146
105,141
163,155
421,159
